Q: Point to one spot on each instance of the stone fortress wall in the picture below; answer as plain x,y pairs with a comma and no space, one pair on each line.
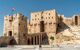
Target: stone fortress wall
38,30
15,25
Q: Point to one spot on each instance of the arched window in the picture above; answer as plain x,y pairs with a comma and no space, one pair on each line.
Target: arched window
49,13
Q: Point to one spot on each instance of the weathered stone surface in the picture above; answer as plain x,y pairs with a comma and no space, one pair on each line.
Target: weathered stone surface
41,27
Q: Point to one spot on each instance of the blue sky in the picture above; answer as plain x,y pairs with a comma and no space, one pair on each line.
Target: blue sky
66,7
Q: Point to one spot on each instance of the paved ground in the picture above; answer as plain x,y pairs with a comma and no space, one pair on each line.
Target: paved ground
63,47
40,49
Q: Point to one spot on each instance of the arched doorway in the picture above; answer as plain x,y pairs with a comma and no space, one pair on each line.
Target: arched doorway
32,40
42,26
12,42
35,40
28,41
38,39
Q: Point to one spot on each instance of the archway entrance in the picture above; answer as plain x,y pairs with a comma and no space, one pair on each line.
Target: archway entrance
12,42
41,26
32,40
38,39
28,41
35,40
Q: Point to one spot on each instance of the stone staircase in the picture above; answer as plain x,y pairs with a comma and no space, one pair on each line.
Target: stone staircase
75,30
72,30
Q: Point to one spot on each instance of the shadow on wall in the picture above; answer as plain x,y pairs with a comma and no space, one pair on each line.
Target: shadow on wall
61,26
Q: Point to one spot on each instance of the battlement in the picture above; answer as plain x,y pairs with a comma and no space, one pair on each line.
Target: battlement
14,16
44,11
43,14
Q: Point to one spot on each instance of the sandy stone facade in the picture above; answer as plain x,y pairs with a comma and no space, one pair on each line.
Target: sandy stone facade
44,21
15,25
41,26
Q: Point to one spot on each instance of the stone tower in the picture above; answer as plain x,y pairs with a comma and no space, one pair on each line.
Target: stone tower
76,19
44,21
16,25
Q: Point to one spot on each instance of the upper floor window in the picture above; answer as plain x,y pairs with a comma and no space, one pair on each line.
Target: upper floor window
49,13
54,23
41,17
31,24
35,18
49,17
35,15
35,24
46,17
19,24
50,23
10,20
